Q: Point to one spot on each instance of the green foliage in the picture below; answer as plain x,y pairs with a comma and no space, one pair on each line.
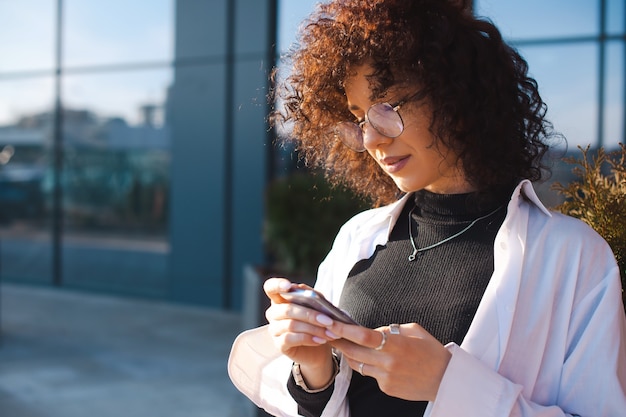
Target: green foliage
303,215
599,198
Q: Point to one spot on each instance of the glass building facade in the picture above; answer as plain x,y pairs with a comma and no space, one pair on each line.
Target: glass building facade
134,148
575,50
133,145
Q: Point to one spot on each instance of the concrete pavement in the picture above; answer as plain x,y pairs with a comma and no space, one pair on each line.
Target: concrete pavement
76,354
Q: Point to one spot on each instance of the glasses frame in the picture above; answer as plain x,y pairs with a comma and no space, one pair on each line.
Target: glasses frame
360,125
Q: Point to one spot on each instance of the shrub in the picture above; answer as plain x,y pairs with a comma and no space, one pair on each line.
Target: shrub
303,215
598,198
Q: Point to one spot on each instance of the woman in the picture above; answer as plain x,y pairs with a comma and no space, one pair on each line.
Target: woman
473,299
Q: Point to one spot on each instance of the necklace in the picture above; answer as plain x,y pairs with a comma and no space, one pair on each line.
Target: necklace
441,242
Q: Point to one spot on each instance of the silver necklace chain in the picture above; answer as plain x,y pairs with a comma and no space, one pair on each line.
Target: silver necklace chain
441,242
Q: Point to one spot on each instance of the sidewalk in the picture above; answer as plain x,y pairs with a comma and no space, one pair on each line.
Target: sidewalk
76,354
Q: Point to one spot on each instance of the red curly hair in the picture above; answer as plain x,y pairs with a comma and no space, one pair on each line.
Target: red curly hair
485,106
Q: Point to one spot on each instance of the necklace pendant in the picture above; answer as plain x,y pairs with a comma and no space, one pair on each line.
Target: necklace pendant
412,256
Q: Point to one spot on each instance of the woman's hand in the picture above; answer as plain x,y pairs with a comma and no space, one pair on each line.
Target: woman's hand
300,333
410,365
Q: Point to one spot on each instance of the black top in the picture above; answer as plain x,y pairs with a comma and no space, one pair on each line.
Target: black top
440,289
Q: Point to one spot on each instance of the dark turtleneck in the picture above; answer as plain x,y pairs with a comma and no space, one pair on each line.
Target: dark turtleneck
440,289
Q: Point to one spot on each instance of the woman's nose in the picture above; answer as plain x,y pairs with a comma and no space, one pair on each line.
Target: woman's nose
372,138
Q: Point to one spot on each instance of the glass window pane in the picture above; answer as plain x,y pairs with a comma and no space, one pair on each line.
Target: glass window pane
22,97
25,171
567,78
533,19
615,16
614,95
27,35
117,31
116,181
290,15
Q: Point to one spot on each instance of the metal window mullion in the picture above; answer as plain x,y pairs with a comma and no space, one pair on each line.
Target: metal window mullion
601,73
57,153
623,39
229,98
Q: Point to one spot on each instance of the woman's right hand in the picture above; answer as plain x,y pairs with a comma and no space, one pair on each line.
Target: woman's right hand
300,333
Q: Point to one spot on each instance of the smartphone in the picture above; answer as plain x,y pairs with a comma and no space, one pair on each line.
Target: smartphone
315,300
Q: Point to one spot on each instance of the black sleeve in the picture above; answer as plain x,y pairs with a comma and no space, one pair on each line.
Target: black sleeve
309,404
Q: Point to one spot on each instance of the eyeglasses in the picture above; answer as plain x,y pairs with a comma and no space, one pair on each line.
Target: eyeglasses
383,117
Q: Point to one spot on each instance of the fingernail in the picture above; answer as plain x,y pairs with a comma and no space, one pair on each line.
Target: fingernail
325,320
319,340
332,335
284,285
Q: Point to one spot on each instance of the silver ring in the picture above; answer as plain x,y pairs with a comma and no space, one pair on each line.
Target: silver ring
394,328
361,365
382,343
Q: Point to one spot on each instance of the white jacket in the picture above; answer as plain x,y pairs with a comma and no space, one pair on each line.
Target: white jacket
548,338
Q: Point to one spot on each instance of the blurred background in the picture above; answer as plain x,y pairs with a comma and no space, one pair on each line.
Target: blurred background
134,150
136,166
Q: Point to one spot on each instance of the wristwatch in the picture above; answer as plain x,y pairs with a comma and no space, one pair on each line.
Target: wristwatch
297,376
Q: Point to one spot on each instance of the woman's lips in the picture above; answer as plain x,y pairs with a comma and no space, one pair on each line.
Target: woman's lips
394,164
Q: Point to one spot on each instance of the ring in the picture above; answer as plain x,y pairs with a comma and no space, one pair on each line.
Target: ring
394,328
382,343
361,365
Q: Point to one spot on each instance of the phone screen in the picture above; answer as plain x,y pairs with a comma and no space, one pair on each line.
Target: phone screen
315,300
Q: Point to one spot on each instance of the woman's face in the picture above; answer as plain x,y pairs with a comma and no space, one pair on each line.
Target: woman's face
412,160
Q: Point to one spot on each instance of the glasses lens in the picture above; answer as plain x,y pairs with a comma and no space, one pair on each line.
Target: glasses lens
385,120
351,135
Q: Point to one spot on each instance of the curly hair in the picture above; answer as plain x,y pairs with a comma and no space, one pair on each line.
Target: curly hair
485,106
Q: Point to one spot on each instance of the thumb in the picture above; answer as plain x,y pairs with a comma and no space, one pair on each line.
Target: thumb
273,287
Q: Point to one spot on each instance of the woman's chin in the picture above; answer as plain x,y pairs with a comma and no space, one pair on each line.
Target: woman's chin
405,187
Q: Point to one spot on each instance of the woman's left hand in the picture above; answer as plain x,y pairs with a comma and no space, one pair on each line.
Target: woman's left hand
410,365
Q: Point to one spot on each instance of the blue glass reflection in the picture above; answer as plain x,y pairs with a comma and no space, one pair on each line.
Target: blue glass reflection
534,19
